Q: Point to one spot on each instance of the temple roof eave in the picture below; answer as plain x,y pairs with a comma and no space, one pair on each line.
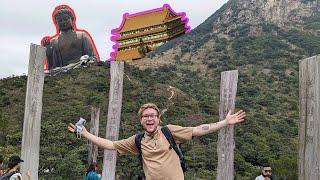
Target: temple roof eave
132,53
153,40
121,38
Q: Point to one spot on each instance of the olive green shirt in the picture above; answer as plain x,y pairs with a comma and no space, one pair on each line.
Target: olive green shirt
159,162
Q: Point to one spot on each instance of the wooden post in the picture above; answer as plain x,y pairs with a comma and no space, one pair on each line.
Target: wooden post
94,129
309,126
114,114
32,114
228,89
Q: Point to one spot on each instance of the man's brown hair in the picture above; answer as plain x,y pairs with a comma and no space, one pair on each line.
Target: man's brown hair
146,106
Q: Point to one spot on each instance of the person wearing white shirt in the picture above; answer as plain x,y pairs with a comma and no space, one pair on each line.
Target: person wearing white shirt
265,173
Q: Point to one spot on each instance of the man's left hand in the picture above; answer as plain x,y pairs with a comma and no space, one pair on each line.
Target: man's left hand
235,118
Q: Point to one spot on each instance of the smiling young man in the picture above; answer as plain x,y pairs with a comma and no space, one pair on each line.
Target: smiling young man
159,161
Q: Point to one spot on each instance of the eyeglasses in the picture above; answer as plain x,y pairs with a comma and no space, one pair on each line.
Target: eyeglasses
147,116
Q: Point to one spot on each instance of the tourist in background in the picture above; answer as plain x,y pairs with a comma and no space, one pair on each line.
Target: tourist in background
92,172
265,173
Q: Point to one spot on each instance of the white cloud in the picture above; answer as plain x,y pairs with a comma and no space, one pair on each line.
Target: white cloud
25,22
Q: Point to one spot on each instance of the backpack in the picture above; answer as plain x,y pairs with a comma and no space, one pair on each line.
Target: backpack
166,131
6,176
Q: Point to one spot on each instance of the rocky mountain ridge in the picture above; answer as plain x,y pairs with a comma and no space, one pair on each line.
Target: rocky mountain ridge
284,14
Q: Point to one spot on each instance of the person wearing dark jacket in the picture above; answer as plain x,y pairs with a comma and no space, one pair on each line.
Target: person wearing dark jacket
1,165
13,169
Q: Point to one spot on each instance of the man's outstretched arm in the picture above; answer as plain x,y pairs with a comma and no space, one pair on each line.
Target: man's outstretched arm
212,127
101,142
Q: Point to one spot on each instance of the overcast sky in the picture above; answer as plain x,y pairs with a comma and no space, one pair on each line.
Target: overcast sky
25,22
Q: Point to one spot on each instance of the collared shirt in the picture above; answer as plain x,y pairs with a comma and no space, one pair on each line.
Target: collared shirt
159,161
260,178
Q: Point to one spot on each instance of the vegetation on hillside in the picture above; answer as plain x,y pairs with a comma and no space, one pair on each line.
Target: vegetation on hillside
267,134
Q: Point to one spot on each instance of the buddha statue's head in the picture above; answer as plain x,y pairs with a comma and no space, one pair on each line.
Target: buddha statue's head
64,18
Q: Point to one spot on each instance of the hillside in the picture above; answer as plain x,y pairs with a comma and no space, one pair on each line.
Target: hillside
263,39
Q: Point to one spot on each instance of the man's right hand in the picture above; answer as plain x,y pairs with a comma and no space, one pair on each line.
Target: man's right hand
72,128
101,142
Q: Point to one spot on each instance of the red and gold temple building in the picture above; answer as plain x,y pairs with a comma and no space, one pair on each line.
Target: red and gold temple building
142,32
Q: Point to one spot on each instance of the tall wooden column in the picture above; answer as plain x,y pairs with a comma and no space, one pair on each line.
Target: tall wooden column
228,90
114,114
94,129
309,125
32,114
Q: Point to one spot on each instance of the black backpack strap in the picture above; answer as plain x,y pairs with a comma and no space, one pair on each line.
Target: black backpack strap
166,131
137,141
7,175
